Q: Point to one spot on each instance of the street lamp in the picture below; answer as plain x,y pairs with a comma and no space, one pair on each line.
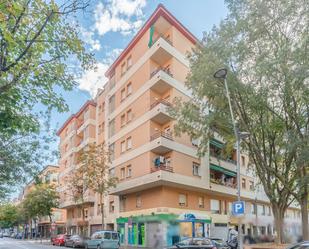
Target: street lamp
221,74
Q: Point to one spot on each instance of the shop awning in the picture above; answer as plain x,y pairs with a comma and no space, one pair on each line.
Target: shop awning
223,170
216,143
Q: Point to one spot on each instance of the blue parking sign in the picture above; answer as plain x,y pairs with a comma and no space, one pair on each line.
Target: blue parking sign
238,208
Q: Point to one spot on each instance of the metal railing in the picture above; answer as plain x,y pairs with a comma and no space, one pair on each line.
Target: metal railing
218,157
160,101
164,69
162,167
161,134
220,182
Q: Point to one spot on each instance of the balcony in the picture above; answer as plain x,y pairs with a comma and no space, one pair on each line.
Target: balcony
162,167
160,109
162,134
70,202
163,50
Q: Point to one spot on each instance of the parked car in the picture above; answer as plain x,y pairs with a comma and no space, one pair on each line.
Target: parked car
6,234
219,243
1,235
75,241
60,239
13,235
301,245
103,239
195,243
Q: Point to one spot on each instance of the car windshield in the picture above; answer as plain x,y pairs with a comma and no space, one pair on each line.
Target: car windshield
219,241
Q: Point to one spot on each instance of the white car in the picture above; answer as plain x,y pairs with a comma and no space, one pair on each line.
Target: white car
301,245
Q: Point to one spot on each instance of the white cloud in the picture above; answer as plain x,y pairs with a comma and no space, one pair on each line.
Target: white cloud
112,55
119,16
87,37
92,80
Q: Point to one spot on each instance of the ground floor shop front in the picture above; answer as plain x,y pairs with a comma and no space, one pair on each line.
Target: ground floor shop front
158,230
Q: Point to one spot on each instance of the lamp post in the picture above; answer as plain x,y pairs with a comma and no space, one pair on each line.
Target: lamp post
221,74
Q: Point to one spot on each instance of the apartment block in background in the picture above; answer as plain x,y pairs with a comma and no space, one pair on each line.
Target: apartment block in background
164,188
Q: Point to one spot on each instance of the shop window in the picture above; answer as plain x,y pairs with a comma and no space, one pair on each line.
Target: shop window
123,94
123,120
182,200
201,202
123,146
129,89
129,171
215,206
138,201
129,143
129,116
122,173
196,169
129,62
243,183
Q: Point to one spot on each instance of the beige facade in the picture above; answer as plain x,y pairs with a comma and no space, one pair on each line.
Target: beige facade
159,173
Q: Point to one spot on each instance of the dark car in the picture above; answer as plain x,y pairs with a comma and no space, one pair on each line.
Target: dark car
301,245
75,241
60,239
195,243
219,243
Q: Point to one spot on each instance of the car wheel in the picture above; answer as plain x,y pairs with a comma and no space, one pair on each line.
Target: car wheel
98,247
86,246
73,245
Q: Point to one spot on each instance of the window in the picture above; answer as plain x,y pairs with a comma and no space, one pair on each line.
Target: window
123,146
99,209
168,162
215,206
86,213
122,203
129,171
129,62
243,183
111,105
123,68
138,201
253,208
122,173
129,89
111,149
251,185
111,172
111,128
129,143
196,169
123,94
107,235
201,202
129,116
123,120
230,207
268,212
243,161
182,200
115,236
194,142
111,206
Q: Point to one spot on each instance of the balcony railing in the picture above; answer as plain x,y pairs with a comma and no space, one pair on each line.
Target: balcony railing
164,69
161,134
160,101
223,183
164,38
162,167
223,159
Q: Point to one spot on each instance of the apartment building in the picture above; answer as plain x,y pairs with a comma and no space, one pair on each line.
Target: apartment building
48,175
164,188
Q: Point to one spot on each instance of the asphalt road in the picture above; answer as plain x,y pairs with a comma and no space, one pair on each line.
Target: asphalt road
7,243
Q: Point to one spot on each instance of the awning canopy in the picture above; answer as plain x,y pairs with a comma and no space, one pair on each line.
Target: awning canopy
223,170
216,143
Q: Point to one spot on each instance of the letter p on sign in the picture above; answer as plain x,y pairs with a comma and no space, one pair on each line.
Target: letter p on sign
238,208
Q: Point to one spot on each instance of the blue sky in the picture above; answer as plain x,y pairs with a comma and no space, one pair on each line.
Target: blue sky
109,25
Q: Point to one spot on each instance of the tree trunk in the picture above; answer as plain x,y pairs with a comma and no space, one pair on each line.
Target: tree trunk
102,211
278,220
304,217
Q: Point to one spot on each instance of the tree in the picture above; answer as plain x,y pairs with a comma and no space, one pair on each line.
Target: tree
263,46
40,50
41,201
9,215
94,170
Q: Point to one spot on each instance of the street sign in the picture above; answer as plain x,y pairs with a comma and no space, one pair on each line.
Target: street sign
238,208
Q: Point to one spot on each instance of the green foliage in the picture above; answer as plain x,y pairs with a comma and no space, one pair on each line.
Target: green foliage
264,46
40,52
9,215
41,201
